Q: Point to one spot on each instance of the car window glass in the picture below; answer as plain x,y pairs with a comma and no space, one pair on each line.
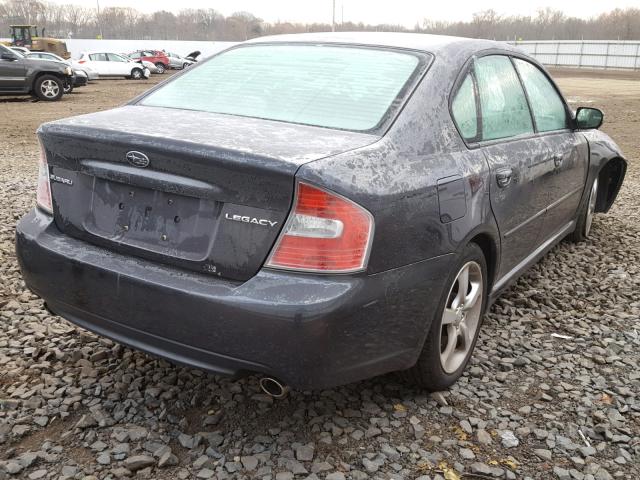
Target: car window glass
98,57
338,87
464,111
504,108
547,106
135,55
115,58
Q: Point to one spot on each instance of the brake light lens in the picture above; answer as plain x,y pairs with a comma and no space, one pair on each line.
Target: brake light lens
325,232
81,61
43,191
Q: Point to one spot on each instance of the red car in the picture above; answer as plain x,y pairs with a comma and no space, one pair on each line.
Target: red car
158,58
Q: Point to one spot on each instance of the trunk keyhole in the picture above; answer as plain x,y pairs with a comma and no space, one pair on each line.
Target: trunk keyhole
176,219
121,206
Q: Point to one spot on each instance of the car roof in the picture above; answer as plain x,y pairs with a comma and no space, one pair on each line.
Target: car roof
91,52
415,41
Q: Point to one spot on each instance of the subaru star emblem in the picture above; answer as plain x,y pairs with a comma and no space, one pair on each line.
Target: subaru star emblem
137,159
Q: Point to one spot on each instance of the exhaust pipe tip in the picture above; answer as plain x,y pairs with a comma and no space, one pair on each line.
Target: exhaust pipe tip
273,387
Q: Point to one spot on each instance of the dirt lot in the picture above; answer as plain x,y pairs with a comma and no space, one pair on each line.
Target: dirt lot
531,405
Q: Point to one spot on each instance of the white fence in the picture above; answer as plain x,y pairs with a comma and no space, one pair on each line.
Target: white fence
78,45
584,53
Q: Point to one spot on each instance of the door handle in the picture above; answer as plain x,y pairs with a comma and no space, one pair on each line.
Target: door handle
557,160
503,177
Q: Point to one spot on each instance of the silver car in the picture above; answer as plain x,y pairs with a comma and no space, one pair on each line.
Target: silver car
77,67
178,61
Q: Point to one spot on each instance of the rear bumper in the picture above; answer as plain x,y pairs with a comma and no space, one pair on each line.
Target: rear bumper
309,331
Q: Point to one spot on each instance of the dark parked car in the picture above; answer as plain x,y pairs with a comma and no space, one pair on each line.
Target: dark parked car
318,208
45,79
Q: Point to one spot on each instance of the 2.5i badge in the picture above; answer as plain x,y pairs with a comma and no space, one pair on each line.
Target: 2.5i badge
59,179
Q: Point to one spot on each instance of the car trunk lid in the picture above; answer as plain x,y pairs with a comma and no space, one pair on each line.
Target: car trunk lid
202,191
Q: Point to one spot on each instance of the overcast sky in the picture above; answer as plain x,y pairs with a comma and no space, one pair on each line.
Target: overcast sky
405,12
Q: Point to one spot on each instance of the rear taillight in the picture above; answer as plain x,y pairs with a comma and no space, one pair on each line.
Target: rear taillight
43,192
325,232
81,61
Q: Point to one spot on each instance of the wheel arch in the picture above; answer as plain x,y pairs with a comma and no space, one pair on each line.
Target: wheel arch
41,73
489,246
610,178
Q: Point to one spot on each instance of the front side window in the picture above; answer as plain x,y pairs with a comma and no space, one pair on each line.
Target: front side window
546,104
503,104
115,58
341,87
463,109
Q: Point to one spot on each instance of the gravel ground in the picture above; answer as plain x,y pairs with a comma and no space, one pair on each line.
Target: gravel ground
552,391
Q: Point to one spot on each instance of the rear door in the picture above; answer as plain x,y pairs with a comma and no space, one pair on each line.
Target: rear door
565,170
514,155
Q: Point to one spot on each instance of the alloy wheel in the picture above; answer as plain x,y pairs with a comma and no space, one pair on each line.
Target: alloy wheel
49,88
461,317
591,208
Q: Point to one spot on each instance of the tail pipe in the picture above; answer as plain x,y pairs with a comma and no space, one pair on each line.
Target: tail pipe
273,387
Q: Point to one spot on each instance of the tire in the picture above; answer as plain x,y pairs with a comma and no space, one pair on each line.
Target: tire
48,88
185,65
68,88
160,68
585,216
438,366
136,74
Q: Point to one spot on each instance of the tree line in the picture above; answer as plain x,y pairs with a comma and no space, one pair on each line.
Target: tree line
74,21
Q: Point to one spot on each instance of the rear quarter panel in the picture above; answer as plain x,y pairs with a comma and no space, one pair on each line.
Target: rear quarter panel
396,178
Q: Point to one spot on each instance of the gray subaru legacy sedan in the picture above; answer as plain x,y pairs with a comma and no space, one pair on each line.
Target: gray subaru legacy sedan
316,208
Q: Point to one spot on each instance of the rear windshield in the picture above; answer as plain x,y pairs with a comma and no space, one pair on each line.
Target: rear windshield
351,88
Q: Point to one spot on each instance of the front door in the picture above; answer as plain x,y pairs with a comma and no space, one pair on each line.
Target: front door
12,72
119,65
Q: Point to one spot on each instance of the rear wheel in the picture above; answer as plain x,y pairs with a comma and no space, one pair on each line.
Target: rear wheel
455,328
585,217
136,74
185,65
49,88
160,68
68,88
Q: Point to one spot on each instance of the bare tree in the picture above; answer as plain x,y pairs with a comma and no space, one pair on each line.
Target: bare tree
209,24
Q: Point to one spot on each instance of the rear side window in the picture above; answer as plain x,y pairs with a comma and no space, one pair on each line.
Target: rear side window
98,57
463,109
349,88
547,106
505,112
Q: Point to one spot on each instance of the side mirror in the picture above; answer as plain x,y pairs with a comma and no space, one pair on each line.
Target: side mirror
587,118
8,56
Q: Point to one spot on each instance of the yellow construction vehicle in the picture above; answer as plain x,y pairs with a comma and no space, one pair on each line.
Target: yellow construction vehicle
27,36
